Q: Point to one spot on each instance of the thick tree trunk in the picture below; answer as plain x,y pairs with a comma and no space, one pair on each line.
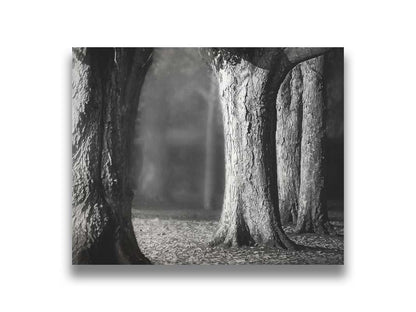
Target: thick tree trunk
312,215
105,93
250,212
248,81
288,139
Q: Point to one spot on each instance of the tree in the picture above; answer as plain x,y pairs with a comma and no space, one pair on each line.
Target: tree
153,175
313,215
153,130
249,80
105,94
288,138
171,127
209,180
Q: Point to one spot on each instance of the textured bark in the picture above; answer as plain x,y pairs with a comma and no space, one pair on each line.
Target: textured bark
288,139
312,215
248,81
105,93
250,212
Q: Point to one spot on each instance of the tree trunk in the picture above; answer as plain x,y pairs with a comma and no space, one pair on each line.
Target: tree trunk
288,139
105,93
312,215
250,214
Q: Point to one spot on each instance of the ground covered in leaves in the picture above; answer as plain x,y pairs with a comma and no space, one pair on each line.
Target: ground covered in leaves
182,237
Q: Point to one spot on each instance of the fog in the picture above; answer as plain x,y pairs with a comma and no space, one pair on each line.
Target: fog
179,137
179,133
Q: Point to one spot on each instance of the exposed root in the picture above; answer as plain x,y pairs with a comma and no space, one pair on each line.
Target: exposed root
324,228
127,250
286,242
229,238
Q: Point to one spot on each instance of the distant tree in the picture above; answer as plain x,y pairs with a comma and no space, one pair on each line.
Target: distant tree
210,152
106,86
313,214
155,165
175,102
288,138
249,80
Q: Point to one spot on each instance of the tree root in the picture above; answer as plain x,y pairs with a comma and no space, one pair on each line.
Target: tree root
324,228
227,238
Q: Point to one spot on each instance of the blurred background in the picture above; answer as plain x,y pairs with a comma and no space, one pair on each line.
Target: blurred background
179,150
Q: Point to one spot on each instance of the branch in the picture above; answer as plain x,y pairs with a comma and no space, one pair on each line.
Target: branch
298,55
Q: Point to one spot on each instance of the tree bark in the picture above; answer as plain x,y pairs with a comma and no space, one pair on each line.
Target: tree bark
312,215
248,83
105,94
250,214
288,139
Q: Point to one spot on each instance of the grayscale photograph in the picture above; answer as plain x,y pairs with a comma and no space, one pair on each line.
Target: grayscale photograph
208,156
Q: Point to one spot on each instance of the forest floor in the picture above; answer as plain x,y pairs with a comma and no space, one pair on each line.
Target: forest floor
181,236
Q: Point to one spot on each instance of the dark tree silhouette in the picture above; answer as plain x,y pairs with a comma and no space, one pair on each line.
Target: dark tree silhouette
105,94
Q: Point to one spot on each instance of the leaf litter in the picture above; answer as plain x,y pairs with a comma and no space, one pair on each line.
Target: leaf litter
170,241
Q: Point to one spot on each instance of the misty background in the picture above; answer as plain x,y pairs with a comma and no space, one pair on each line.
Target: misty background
179,144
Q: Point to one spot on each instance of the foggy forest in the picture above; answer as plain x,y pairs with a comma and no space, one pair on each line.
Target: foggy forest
208,156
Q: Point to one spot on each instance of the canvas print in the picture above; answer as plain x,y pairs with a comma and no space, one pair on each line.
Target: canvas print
207,156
